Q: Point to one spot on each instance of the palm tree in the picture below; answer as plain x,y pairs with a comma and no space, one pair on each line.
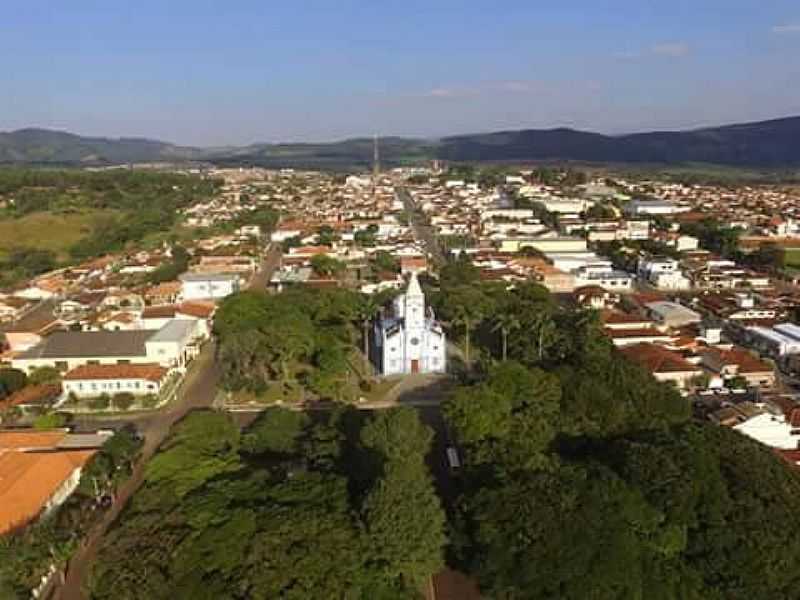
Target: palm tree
367,309
505,323
463,316
544,329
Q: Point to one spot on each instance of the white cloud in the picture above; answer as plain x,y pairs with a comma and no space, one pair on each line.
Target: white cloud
674,49
787,28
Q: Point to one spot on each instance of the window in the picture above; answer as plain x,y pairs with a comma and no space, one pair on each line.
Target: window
92,362
62,365
123,361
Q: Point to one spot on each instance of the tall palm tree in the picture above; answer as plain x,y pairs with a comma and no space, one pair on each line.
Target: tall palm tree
465,317
505,323
367,309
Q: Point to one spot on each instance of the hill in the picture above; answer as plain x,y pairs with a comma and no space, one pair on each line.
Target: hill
765,144
44,146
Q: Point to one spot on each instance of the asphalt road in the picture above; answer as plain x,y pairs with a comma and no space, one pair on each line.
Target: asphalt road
422,231
270,262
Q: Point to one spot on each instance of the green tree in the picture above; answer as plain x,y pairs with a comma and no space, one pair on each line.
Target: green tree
42,375
505,323
11,380
277,431
327,266
123,400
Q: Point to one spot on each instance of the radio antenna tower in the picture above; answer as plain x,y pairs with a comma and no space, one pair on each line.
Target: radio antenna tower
376,163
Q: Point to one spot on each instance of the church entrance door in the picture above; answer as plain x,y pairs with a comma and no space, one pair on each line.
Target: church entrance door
415,366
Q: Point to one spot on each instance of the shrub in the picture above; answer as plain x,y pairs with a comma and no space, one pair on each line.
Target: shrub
49,421
123,400
101,402
44,375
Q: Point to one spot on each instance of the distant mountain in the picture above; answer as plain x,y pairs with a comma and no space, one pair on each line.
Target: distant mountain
44,146
774,143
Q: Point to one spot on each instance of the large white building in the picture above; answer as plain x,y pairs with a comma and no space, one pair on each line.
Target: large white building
208,286
409,340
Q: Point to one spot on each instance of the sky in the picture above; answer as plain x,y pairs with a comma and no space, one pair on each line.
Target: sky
226,72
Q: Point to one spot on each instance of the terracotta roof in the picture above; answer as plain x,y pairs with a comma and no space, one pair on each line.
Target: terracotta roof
168,288
746,362
22,439
28,480
637,332
196,308
151,372
32,394
658,359
162,311
614,317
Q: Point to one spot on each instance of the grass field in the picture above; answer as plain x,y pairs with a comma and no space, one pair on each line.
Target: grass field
791,258
56,232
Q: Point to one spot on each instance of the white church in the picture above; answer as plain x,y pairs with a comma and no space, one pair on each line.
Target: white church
409,340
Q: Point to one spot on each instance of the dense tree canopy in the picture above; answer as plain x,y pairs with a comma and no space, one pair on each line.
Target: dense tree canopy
277,520
583,477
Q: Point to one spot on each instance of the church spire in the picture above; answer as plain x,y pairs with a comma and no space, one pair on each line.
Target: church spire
414,288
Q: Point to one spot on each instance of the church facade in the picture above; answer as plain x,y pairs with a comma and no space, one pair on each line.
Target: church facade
409,339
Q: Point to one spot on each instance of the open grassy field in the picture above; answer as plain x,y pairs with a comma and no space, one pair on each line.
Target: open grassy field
47,231
791,258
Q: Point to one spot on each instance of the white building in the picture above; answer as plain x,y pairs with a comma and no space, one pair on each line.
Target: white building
208,286
604,275
92,380
654,207
772,430
410,340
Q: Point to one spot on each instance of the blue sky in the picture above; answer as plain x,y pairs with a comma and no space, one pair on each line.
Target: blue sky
240,71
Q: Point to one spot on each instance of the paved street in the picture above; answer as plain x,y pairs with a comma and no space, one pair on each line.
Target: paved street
422,232
270,262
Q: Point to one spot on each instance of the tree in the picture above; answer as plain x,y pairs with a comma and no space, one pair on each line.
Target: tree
43,375
327,266
467,306
123,400
403,517
11,380
326,236
101,402
276,431
384,261
367,309
505,323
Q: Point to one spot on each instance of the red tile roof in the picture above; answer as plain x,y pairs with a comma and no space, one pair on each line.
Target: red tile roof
151,372
658,359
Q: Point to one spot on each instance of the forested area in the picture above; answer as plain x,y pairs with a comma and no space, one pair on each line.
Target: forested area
336,507
102,210
583,477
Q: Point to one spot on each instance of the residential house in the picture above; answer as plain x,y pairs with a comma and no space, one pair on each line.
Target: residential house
93,380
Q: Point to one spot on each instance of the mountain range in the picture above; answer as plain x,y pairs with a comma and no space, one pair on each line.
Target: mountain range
767,144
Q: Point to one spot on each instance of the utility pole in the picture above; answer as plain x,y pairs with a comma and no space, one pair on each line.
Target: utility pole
376,165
